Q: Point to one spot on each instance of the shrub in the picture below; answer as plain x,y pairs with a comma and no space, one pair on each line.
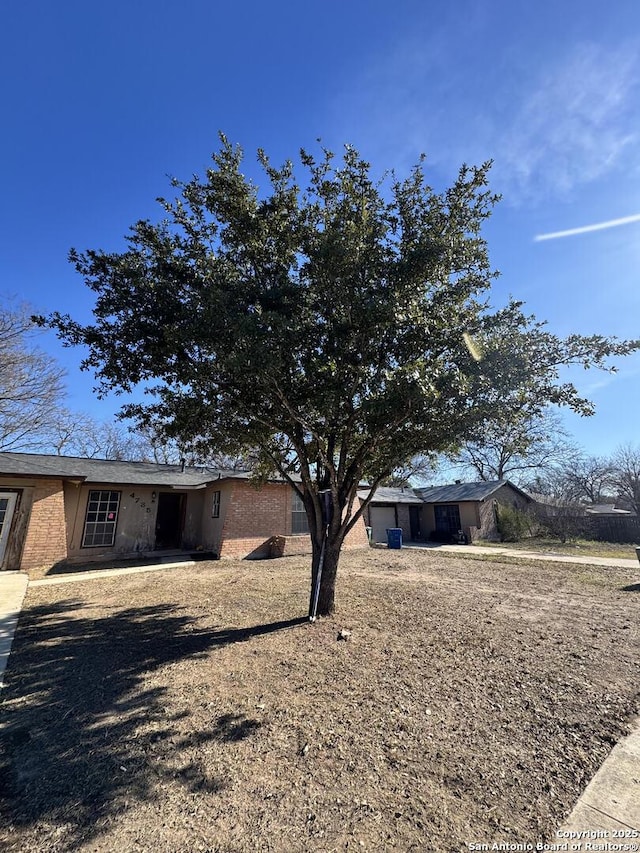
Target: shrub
563,521
513,524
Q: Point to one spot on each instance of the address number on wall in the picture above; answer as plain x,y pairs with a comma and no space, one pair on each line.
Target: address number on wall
138,500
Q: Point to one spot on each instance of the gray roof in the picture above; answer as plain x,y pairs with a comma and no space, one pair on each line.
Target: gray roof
553,501
388,495
108,471
458,492
606,509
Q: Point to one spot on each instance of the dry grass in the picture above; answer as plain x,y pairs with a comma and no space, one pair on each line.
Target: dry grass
193,709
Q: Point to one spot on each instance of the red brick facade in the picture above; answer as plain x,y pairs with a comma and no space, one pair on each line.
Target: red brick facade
357,537
46,540
267,511
253,517
289,546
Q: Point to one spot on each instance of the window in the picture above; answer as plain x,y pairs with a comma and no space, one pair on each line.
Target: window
101,520
447,518
215,505
299,521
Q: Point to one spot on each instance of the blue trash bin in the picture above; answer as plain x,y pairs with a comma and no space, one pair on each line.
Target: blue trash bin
394,537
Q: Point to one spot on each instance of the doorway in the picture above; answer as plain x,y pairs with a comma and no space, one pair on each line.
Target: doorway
7,506
169,520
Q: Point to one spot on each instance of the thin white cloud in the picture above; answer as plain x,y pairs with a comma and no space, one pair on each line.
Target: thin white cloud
625,373
549,130
576,124
585,229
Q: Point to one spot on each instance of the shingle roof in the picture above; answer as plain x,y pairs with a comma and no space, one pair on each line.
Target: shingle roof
606,509
388,495
107,471
457,492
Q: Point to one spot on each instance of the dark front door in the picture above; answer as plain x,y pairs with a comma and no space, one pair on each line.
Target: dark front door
169,520
414,523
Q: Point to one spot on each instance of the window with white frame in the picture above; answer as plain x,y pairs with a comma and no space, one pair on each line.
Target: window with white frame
299,521
101,519
215,505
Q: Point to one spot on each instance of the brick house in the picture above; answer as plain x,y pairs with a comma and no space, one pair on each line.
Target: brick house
60,509
391,507
438,513
469,507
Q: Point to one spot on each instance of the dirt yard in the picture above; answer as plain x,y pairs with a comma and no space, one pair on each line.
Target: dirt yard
194,710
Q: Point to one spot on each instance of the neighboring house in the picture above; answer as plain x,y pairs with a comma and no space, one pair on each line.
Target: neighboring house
609,523
439,513
605,522
468,507
391,507
608,510
57,509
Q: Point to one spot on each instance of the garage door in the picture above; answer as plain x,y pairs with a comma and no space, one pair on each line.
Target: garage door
382,517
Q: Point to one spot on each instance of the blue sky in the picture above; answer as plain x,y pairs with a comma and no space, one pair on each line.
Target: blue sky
101,102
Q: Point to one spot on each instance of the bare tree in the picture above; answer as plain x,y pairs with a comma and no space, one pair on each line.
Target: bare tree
626,476
61,433
156,448
419,469
80,434
33,416
111,440
31,383
516,449
590,478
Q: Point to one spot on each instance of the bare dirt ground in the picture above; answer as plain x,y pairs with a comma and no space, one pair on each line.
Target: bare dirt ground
194,709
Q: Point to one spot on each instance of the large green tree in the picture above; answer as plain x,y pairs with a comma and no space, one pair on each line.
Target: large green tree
336,327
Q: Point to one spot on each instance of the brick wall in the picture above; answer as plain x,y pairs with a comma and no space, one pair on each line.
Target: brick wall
252,518
256,512
504,495
257,524
357,536
288,546
404,521
246,548
46,540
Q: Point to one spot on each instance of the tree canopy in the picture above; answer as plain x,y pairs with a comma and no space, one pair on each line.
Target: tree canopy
335,327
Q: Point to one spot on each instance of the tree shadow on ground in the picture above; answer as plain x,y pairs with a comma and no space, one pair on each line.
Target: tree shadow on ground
633,587
80,735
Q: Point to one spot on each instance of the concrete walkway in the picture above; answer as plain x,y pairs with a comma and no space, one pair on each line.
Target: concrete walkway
471,550
13,586
97,574
611,800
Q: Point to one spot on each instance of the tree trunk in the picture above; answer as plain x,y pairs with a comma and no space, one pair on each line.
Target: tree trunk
326,599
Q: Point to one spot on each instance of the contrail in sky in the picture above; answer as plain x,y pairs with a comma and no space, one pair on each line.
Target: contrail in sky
599,226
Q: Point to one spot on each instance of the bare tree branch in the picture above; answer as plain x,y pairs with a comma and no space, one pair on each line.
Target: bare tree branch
31,383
